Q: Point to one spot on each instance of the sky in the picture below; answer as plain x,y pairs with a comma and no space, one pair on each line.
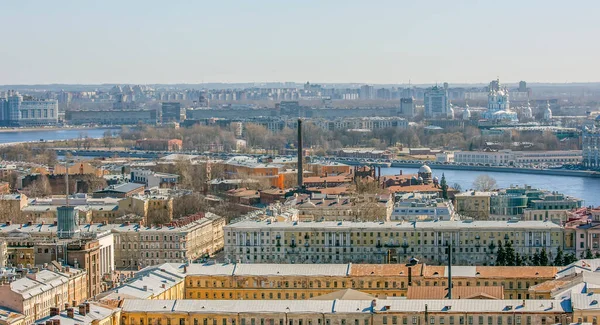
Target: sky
324,41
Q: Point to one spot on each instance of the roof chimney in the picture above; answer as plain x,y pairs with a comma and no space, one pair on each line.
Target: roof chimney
54,311
82,310
87,307
70,313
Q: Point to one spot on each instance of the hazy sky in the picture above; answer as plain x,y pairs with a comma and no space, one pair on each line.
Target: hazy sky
368,41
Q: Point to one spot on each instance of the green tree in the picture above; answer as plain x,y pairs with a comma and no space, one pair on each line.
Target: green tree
535,260
519,260
569,258
500,255
588,254
559,260
509,251
543,258
444,187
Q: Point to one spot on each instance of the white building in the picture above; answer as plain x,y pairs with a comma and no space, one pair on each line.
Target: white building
361,123
418,206
508,157
16,111
153,179
591,145
437,103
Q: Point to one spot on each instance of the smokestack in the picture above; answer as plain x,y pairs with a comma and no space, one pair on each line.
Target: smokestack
300,158
450,268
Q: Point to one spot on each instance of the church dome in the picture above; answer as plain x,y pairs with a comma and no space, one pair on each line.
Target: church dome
598,117
425,169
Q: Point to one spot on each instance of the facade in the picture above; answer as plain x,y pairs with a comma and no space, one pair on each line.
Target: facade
407,107
140,246
111,116
159,144
363,123
437,103
509,157
473,204
171,112
418,206
324,207
153,179
307,281
590,144
360,242
36,293
15,111
345,312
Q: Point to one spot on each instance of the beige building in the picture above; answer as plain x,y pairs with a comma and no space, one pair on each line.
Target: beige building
140,246
473,204
34,294
324,207
345,312
474,242
557,216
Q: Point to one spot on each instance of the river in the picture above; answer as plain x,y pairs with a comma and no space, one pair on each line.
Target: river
585,188
49,134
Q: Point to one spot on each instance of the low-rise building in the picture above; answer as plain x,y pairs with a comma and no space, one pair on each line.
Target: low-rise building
326,207
473,204
474,242
88,313
39,291
165,281
159,144
153,179
376,311
120,190
418,206
139,246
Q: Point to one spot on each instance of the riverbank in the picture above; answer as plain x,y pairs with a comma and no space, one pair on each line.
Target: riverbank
59,128
534,171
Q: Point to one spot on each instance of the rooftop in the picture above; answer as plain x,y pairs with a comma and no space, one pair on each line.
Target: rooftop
345,306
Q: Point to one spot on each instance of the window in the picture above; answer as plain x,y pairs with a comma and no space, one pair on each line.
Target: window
432,320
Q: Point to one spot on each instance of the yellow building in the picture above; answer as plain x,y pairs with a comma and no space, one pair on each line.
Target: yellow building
473,204
557,216
154,209
9,317
344,312
474,242
305,281
78,168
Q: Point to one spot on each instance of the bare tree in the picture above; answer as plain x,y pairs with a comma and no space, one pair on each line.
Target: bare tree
107,139
39,187
484,183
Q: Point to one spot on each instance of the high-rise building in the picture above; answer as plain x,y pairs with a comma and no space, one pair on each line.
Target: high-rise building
522,86
591,145
171,112
407,107
18,112
367,92
437,103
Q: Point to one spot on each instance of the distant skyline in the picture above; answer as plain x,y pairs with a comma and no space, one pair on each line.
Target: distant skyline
375,42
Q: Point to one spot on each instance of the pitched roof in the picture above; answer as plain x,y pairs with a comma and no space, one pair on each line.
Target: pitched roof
462,292
346,294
